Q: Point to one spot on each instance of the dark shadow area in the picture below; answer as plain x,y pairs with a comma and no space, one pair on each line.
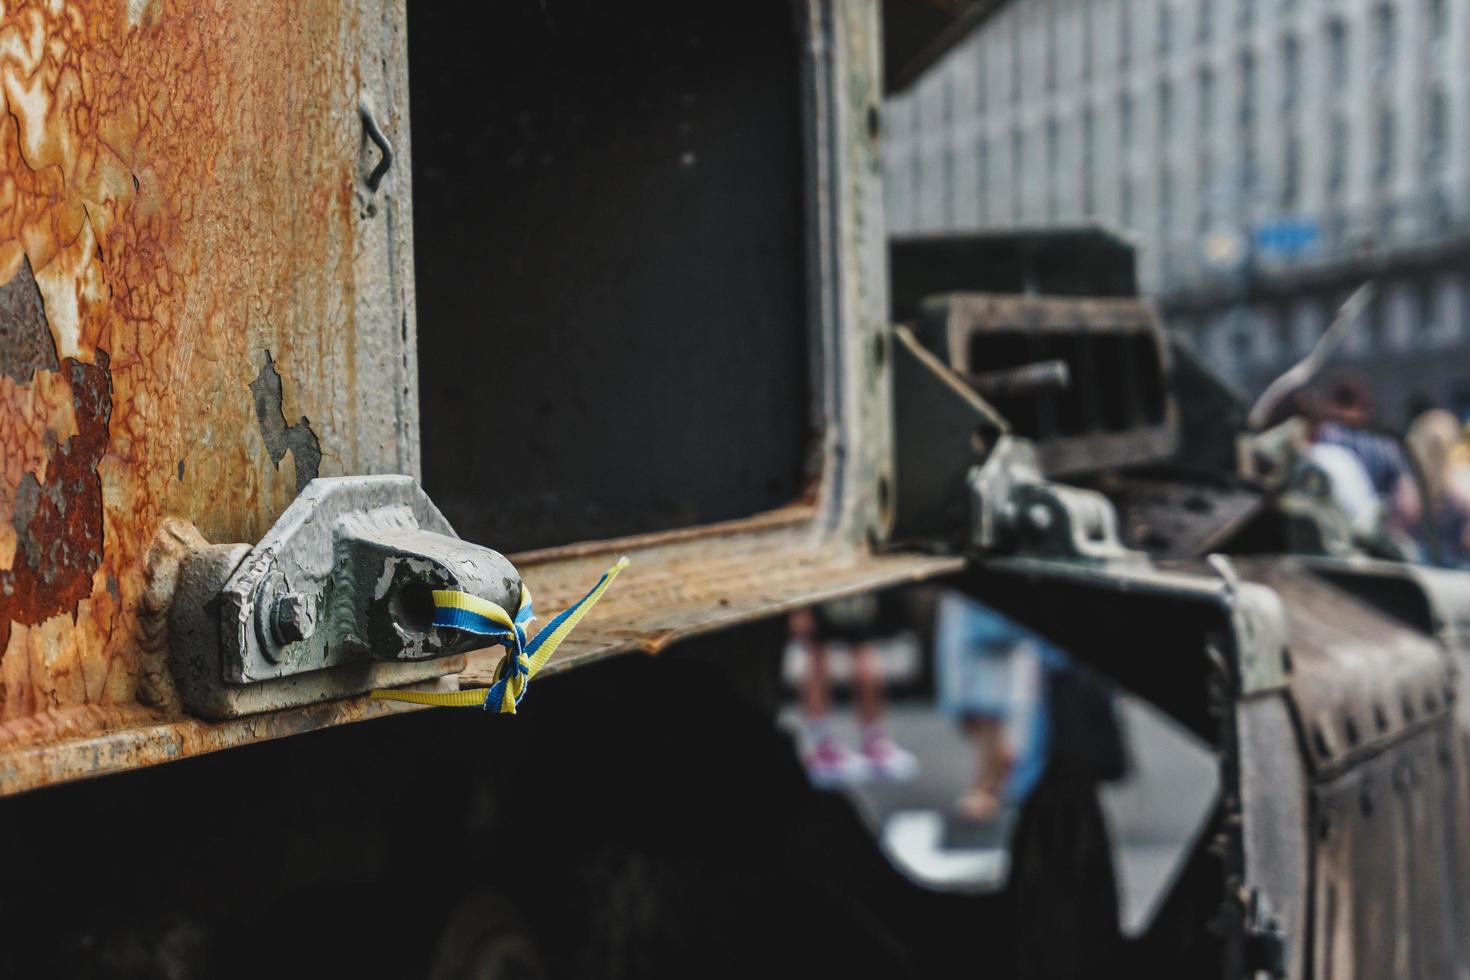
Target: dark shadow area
610,245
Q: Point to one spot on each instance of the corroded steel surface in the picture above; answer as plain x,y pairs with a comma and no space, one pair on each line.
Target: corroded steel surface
181,205
678,585
191,200
679,588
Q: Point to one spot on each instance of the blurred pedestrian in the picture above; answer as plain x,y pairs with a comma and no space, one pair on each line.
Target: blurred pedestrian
981,659
1347,420
857,622
1444,532
1345,434
1027,706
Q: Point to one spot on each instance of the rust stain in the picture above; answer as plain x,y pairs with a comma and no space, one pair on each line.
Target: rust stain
58,524
176,195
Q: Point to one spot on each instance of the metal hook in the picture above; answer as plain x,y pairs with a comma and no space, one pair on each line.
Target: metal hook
380,140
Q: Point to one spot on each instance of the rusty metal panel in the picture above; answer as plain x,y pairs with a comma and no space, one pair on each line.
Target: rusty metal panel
249,306
1274,822
678,588
1383,888
204,306
1360,678
678,585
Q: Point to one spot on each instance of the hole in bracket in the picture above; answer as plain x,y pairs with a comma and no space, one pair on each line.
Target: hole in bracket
413,607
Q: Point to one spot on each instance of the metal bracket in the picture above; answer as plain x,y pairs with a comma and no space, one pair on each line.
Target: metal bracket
335,599
347,573
1014,509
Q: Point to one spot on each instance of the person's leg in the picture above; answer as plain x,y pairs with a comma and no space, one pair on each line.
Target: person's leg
829,762
816,690
887,759
867,681
993,762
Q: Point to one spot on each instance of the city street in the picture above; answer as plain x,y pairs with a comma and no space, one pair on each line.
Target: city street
1152,815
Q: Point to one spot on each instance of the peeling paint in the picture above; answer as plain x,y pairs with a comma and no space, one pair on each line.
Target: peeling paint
280,438
58,524
25,338
178,192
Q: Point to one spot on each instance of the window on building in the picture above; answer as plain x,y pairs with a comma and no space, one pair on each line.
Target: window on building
1017,59
1385,37
1280,317
1166,201
1383,163
1166,28
1205,190
1166,112
1125,194
1376,336
1205,20
1434,131
1017,169
1427,314
1050,67
930,213
1125,32
1125,123
1291,166
1337,149
982,181
1089,161
1053,168
1246,13
1290,73
1206,100
947,188
1250,166
1439,32
916,184
1247,111
1240,347
1438,17
1086,41
980,86
1337,54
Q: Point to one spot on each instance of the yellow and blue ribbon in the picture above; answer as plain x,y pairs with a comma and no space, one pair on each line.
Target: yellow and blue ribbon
523,657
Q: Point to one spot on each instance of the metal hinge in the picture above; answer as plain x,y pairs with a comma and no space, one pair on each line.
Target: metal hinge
1015,510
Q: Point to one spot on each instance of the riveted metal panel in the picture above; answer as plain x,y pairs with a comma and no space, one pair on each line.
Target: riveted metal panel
1384,901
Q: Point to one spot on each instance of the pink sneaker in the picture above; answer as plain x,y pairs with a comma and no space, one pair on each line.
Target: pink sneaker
832,765
886,760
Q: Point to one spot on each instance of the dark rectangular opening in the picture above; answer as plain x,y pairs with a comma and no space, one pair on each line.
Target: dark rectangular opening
996,350
1150,377
609,236
1071,402
1116,387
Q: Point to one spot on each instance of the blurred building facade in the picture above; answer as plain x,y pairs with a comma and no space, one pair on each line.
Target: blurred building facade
1266,155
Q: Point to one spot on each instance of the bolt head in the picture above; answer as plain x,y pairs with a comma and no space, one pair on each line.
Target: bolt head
294,617
1039,516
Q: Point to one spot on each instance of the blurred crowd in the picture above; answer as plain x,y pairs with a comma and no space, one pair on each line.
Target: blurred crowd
1410,491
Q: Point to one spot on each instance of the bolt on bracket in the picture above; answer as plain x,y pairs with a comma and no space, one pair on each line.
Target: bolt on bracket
1015,510
337,598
